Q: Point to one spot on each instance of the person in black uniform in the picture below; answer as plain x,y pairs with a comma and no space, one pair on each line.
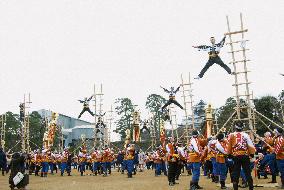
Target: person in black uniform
172,97
17,165
86,107
213,51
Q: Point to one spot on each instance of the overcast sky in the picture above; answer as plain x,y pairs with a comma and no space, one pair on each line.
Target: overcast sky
58,49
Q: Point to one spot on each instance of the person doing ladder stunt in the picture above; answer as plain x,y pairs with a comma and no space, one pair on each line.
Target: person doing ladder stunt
86,107
213,51
172,97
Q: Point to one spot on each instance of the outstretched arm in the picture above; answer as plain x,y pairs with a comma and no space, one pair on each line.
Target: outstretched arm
81,101
165,89
222,42
90,98
202,47
177,89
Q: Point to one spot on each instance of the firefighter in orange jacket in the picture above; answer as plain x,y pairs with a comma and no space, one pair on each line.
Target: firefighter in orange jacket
129,159
172,157
270,157
279,152
221,147
240,148
195,152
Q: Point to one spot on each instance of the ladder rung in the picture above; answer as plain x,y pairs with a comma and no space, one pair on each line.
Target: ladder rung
185,84
240,61
239,41
241,83
243,119
236,32
238,51
244,95
242,72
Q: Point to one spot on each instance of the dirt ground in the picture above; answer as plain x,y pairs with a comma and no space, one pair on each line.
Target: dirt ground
116,181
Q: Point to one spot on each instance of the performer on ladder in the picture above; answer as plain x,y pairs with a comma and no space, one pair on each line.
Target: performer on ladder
213,51
86,107
172,97
240,148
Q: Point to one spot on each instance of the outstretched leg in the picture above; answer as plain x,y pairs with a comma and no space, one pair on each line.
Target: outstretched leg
176,103
81,113
167,104
88,110
222,64
205,68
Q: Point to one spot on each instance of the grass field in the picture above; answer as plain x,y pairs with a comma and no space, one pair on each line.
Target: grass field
116,181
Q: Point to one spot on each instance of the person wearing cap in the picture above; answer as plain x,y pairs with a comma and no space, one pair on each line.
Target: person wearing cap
129,159
182,159
279,152
240,148
96,158
260,166
221,147
44,163
106,160
172,157
195,152
37,162
82,158
158,161
212,154
64,159
270,157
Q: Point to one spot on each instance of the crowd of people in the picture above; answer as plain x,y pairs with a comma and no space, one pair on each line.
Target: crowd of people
234,155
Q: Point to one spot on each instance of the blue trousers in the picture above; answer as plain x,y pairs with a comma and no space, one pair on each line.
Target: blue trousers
222,171
129,166
195,171
270,160
214,172
96,166
123,165
82,167
280,166
158,168
104,165
44,168
164,169
63,167
51,166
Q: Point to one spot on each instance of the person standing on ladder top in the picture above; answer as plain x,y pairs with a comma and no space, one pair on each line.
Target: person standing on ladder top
240,148
172,97
86,107
213,51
